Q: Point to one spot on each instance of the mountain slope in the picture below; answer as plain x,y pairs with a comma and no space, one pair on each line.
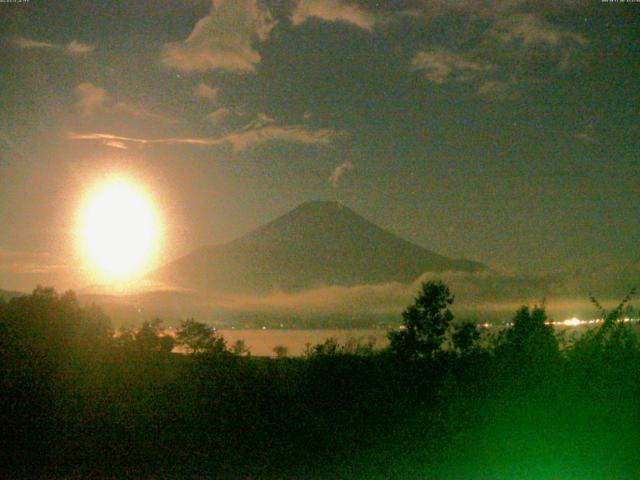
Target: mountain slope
316,244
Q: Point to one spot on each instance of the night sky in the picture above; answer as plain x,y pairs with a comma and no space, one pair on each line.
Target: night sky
501,131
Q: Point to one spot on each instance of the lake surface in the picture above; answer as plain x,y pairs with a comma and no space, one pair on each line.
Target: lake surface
262,342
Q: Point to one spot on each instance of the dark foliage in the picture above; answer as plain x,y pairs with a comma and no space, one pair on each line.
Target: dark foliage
199,337
78,402
465,337
425,323
530,338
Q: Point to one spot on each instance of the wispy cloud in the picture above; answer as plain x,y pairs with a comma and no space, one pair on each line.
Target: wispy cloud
261,120
123,140
531,30
333,11
13,261
223,40
239,140
440,65
141,112
91,99
115,144
513,40
72,48
22,42
219,115
203,90
587,137
20,254
78,48
528,38
292,134
488,10
499,90
338,172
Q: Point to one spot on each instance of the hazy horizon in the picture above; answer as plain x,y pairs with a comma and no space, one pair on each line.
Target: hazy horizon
323,295
502,133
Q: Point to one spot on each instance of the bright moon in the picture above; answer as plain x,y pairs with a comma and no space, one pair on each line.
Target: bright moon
119,230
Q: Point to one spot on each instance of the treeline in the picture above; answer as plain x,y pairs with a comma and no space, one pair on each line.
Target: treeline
442,401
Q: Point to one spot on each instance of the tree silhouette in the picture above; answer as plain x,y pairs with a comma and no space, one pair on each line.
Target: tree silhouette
49,326
464,337
49,344
94,331
124,338
199,337
147,338
167,343
530,336
425,323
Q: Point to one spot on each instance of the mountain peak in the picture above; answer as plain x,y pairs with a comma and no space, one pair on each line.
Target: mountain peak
315,218
320,205
318,243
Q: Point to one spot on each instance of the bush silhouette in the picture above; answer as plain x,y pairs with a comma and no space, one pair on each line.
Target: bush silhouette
280,351
240,348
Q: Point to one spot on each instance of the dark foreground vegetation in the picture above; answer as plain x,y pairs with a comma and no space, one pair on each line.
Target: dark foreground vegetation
441,402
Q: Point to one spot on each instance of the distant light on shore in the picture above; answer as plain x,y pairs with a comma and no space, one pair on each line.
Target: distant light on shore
576,322
573,322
